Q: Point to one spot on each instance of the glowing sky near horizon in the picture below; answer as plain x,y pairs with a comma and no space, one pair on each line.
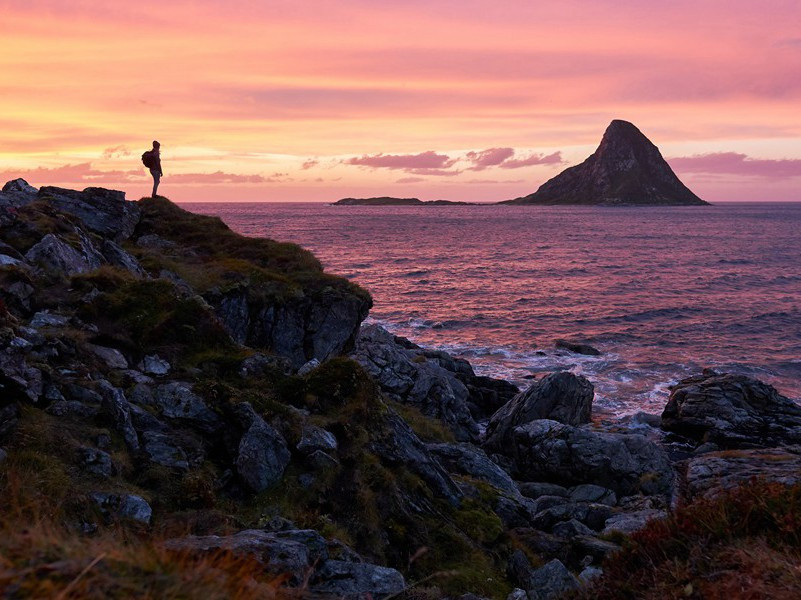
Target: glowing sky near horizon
471,100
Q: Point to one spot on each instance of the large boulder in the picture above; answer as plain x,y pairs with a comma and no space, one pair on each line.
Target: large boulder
546,450
466,459
731,411
16,193
711,474
263,454
355,581
103,211
561,397
406,375
57,257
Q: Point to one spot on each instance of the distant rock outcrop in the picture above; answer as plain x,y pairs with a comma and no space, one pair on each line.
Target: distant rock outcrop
625,169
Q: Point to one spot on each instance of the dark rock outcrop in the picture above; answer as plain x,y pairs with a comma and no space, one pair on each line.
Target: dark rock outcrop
731,411
105,212
16,193
561,396
625,463
263,453
466,459
625,169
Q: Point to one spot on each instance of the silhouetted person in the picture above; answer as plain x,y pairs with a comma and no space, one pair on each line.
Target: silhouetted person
155,166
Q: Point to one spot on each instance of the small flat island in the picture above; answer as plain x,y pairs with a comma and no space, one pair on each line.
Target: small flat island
389,201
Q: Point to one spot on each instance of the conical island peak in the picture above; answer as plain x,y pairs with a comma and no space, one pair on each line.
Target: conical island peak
626,168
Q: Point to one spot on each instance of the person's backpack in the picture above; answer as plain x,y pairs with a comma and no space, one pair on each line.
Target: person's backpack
149,160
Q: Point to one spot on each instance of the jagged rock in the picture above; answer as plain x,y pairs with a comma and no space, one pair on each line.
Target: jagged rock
177,401
57,257
18,380
6,260
404,377
116,406
514,511
517,594
96,462
111,356
313,438
629,522
263,454
710,475
308,327
103,211
625,463
577,347
625,169
47,319
561,396
17,193
551,581
292,552
732,411
125,506
160,450
396,443
308,367
590,573
467,459
535,489
592,515
118,257
571,528
355,581
593,493
154,365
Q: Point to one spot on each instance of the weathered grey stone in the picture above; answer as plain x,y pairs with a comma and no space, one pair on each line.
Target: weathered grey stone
47,319
177,401
103,211
57,257
396,443
96,462
313,438
263,454
570,529
588,492
710,475
309,367
111,356
152,364
535,489
592,515
17,193
292,552
6,260
624,463
551,581
466,459
160,450
517,594
406,375
355,581
18,380
590,573
732,411
115,404
117,256
630,522
123,506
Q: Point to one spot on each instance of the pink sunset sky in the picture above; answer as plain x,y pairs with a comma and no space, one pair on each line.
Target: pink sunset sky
471,100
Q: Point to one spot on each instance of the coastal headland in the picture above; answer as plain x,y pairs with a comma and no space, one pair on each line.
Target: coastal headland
187,412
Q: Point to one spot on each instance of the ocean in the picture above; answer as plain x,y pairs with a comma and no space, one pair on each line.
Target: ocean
661,292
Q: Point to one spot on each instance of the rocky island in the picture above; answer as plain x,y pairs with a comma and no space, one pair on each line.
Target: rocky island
626,169
390,201
186,412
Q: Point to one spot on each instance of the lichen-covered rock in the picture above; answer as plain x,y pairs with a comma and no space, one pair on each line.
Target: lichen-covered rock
561,396
123,506
629,522
57,257
551,581
313,438
263,454
103,211
732,411
177,401
545,450
154,365
355,581
115,405
96,462
407,376
117,256
467,459
17,193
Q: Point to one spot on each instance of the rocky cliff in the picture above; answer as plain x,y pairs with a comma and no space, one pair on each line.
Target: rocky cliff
185,412
625,169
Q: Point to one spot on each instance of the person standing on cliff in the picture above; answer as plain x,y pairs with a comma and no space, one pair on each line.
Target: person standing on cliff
154,164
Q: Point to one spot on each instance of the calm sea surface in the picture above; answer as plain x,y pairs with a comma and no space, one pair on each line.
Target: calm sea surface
661,292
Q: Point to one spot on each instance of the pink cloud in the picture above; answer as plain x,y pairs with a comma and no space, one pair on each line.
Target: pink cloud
312,162
78,173
410,180
424,160
116,151
489,158
735,163
534,159
434,172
